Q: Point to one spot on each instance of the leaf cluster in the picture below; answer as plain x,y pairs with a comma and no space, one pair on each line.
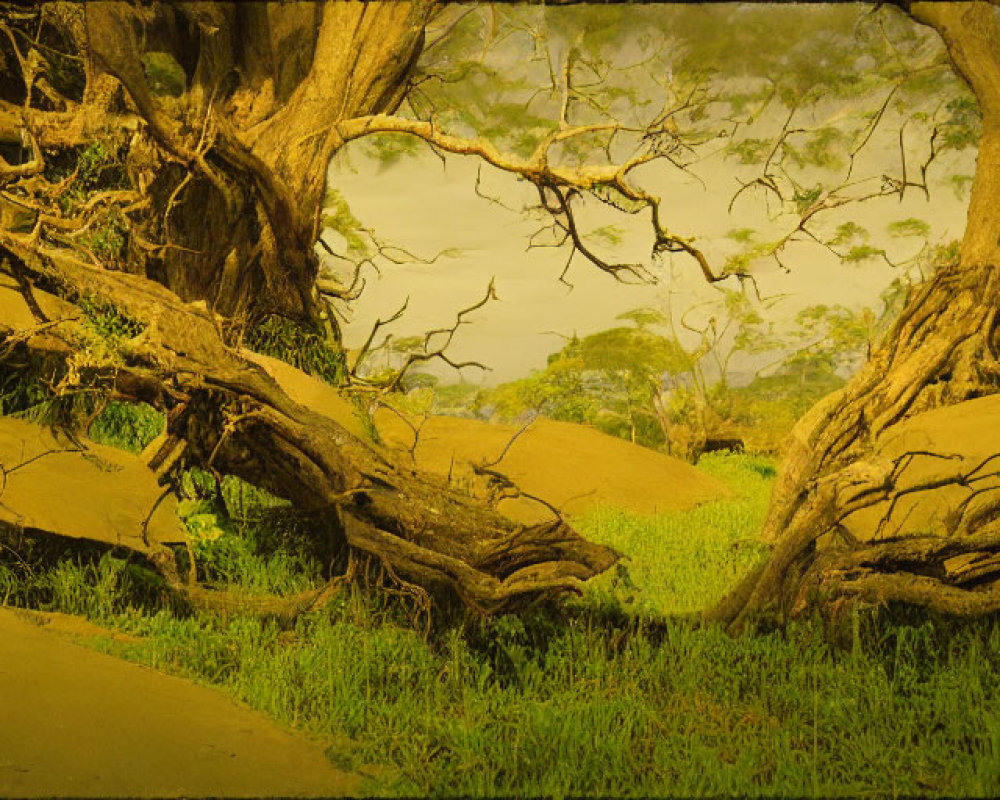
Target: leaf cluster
107,321
303,347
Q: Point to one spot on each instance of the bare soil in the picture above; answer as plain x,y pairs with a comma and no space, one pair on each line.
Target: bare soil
572,467
79,723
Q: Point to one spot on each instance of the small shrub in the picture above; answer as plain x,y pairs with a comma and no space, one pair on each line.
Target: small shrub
24,387
128,426
246,539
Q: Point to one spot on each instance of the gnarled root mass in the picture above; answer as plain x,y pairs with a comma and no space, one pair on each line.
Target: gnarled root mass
941,352
228,415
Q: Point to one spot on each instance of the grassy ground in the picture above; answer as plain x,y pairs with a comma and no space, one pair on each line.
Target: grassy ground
613,697
683,562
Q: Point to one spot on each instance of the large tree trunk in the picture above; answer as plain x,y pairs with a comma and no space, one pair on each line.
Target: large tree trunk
230,416
942,350
236,165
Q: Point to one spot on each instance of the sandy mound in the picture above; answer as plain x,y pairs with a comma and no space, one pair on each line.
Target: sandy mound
968,432
101,493
311,392
15,313
573,467
100,727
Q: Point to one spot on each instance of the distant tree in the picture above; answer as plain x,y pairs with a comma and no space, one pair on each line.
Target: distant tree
828,339
694,402
606,379
823,348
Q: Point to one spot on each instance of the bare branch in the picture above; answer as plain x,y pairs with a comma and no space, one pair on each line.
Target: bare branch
365,350
507,446
558,179
448,334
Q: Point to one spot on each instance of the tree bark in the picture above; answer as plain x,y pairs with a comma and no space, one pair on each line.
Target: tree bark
236,166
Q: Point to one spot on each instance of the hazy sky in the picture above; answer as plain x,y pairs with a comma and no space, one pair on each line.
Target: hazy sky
426,206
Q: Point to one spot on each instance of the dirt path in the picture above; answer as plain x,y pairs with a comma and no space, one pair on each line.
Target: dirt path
96,726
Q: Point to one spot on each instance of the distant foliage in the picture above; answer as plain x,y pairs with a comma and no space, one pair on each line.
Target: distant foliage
640,383
605,379
337,216
911,226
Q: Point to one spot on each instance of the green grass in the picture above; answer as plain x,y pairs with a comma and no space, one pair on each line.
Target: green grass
685,561
101,588
594,702
246,539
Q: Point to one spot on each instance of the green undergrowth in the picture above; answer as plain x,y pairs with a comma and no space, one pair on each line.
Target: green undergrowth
23,387
247,540
100,166
128,426
99,586
108,322
616,694
685,561
301,346
74,394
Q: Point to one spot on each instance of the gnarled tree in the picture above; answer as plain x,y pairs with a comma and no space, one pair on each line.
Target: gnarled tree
942,350
221,119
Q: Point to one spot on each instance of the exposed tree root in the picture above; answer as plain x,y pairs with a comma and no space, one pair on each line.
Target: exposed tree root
944,349
941,351
235,419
